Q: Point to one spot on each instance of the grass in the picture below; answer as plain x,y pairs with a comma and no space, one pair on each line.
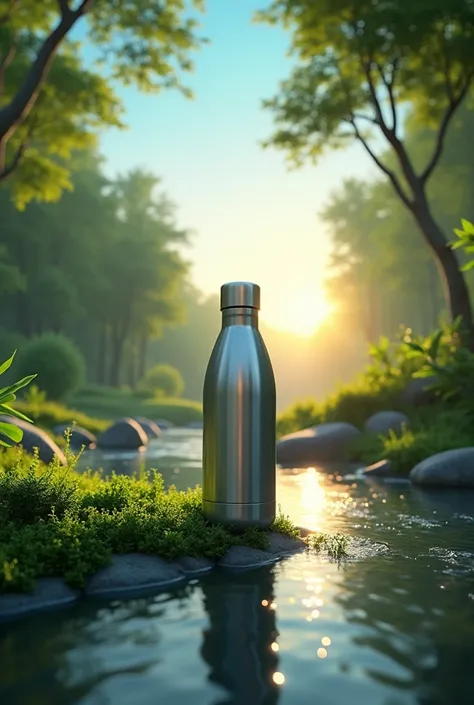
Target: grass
57,522
48,414
109,403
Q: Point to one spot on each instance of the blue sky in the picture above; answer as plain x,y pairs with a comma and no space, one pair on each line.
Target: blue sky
252,218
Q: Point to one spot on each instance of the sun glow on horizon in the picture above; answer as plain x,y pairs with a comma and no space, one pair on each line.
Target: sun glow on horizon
301,313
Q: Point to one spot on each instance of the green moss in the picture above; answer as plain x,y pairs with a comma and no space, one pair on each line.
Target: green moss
57,522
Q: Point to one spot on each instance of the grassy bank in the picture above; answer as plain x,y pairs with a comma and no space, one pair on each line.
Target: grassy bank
56,522
110,403
446,424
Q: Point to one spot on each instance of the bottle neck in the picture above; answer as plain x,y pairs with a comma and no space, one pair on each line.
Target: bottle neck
240,317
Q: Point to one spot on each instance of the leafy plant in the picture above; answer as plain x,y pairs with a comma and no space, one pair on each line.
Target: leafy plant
465,241
8,395
444,356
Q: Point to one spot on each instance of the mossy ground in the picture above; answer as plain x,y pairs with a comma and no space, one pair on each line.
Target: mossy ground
55,522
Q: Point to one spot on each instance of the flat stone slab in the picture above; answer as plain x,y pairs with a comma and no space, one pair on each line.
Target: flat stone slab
281,545
133,571
194,566
48,593
245,557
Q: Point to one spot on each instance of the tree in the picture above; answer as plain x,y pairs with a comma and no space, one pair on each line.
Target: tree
141,266
50,104
359,65
100,266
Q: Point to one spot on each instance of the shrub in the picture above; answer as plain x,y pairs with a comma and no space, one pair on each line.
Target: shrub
162,380
58,362
433,431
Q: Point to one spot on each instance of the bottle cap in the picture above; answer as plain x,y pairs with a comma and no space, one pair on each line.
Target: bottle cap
240,295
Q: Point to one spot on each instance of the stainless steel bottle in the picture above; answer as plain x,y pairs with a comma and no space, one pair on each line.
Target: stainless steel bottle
239,417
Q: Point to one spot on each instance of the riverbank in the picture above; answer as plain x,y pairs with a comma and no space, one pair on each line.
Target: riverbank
87,535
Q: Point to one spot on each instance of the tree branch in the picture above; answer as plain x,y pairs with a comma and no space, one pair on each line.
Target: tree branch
375,101
389,86
367,118
7,170
391,175
443,129
22,103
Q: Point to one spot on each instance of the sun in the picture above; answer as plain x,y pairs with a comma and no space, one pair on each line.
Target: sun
300,313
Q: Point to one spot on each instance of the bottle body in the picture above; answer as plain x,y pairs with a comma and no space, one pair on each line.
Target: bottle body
239,405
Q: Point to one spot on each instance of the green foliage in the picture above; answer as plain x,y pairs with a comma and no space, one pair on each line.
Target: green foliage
433,432
163,380
47,113
444,356
350,67
60,365
108,403
7,396
54,522
101,266
465,241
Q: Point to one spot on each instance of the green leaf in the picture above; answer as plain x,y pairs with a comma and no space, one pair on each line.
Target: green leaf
415,346
467,267
8,411
7,364
6,391
468,227
434,346
11,431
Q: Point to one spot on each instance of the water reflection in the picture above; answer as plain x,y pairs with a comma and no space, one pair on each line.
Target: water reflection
240,643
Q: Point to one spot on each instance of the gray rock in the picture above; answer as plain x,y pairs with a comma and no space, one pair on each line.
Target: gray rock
163,424
151,429
384,421
324,443
79,436
417,392
452,468
125,433
48,593
133,571
244,557
194,566
281,545
194,424
36,438
381,469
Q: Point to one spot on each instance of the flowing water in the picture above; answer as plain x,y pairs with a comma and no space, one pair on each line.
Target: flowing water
395,626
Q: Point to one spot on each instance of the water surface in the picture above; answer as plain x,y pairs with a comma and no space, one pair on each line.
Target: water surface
394,627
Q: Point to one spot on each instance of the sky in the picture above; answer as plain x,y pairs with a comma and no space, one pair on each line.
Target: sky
252,219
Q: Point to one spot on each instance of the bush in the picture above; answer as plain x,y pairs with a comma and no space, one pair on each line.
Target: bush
59,364
162,380
433,431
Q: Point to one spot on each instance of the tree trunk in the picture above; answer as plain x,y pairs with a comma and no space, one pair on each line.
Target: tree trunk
456,291
116,354
143,345
102,353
